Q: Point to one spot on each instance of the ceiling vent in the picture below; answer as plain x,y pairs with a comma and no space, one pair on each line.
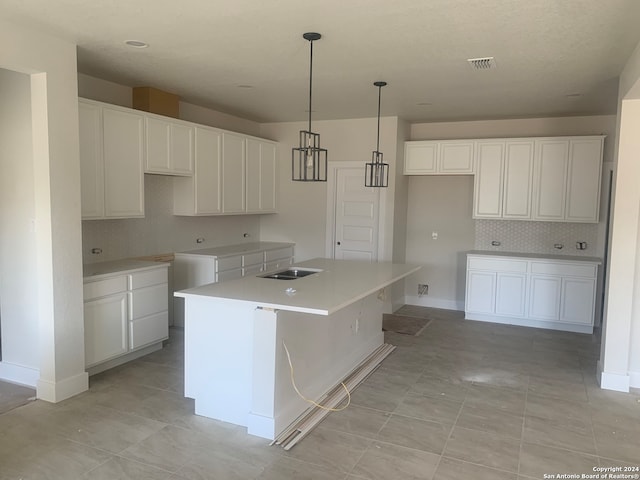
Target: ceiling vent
484,63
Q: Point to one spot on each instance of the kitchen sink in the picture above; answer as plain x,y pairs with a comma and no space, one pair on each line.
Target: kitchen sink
290,274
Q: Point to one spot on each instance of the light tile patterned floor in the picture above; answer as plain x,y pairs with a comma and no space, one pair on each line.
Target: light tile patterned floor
462,400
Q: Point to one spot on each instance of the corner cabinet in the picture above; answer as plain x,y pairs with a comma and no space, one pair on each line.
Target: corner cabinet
550,179
111,161
557,293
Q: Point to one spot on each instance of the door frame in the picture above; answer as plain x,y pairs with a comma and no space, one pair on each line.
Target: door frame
332,186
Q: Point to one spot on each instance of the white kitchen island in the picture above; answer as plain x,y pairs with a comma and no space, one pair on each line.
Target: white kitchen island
236,367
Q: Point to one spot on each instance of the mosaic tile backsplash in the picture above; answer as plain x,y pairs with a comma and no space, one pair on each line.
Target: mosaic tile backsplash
536,237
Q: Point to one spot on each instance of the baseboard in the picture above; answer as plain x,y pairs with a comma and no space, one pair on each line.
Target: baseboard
55,392
432,302
101,367
528,322
634,379
18,374
613,381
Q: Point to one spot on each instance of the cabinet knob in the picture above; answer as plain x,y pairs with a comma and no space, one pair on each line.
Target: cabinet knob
338,243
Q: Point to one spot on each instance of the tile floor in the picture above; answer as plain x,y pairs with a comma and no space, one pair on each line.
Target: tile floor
462,400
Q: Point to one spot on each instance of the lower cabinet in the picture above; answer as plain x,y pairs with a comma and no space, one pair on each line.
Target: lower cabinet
548,293
123,314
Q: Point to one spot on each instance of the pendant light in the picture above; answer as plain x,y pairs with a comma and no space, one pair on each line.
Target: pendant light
377,172
309,161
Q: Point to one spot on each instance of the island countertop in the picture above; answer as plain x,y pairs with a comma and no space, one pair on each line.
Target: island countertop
337,284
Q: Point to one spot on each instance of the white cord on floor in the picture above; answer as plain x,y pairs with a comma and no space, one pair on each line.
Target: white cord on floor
293,382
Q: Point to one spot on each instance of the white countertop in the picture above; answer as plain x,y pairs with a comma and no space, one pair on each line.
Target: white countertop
237,249
340,283
537,256
95,271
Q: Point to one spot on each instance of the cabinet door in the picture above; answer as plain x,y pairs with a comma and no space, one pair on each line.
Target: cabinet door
550,179
456,158
181,153
261,177
123,159
488,184
233,173
544,297
578,300
420,158
208,172
91,161
105,328
511,294
518,179
157,146
148,330
583,182
481,292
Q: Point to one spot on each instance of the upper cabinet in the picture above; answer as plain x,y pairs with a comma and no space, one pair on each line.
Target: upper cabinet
234,174
555,179
111,161
215,172
169,146
447,157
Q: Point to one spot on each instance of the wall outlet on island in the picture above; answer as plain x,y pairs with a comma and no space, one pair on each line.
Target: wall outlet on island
423,289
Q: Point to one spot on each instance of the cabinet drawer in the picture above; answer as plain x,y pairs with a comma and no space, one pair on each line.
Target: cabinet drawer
497,265
147,330
278,264
252,269
229,263
271,255
564,269
147,301
148,278
229,274
105,287
252,259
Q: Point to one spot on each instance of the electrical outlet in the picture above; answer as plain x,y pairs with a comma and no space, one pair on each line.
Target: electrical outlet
423,289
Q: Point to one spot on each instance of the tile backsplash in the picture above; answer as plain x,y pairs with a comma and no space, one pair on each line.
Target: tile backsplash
536,237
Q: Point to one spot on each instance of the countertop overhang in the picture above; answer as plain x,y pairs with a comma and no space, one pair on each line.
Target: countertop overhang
338,284
537,256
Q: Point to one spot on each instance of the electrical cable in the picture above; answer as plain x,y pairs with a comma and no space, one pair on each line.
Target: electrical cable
293,382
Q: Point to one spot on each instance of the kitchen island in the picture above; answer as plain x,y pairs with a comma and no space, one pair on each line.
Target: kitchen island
236,366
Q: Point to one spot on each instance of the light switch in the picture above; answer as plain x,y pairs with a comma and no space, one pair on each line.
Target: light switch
434,235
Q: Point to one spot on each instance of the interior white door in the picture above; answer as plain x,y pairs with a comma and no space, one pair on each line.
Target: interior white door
356,217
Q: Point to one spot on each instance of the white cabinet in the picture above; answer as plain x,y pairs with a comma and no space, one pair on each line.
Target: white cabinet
201,194
111,161
124,314
567,179
548,293
169,146
503,180
452,157
261,176
233,173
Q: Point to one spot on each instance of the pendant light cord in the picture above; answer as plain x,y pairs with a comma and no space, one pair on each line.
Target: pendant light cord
310,80
379,97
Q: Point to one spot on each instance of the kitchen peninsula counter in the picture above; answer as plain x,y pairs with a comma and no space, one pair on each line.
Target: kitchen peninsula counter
236,367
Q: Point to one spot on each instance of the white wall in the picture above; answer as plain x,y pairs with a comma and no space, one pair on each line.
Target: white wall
18,265
302,206
160,231
51,64
619,365
444,204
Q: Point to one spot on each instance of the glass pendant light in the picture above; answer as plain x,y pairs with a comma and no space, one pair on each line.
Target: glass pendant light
309,161
377,172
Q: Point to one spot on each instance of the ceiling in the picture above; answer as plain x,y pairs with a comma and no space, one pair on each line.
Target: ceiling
248,57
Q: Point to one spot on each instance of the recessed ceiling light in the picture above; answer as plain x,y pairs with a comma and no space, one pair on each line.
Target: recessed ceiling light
136,44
